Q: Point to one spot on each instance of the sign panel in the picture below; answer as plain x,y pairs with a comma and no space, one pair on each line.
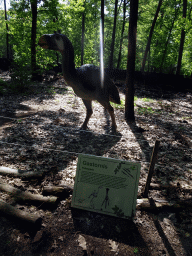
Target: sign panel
106,185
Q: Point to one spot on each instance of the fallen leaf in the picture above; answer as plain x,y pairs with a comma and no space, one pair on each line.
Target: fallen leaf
82,242
113,245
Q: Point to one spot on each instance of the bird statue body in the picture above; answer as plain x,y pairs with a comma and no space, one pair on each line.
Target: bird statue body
85,80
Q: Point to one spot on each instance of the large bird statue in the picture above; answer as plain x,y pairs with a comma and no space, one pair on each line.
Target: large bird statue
86,80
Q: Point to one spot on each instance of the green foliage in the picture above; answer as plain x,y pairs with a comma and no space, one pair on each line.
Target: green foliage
20,77
119,106
66,16
3,83
145,110
122,104
2,34
165,42
147,100
3,86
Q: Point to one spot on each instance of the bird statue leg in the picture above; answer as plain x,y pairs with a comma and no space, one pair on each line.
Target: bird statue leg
110,110
88,105
111,113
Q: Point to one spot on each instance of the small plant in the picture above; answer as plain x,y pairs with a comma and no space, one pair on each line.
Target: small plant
145,110
122,104
20,77
3,86
160,103
187,234
50,90
3,83
147,100
119,106
1,89
186,117
135,250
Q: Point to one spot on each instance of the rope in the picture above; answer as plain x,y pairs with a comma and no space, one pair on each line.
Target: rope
35,146
61,151
73,129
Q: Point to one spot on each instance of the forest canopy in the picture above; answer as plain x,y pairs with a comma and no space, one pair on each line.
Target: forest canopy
69,17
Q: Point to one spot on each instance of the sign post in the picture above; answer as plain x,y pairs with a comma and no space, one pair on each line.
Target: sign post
106,185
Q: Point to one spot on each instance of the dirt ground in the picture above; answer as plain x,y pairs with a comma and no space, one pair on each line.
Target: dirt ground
39,131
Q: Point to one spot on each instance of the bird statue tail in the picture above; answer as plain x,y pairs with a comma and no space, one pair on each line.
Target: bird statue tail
112,91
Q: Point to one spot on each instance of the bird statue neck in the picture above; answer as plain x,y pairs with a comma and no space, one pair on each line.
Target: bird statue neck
68,65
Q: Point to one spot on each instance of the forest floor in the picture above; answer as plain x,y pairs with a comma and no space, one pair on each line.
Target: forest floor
39,131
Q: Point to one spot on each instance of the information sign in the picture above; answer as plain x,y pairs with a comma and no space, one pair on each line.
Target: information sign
106,185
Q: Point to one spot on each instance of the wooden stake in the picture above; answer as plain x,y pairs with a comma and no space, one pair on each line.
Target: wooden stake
151,167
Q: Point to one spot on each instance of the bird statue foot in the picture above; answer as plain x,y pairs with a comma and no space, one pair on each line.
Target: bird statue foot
114,130
83,127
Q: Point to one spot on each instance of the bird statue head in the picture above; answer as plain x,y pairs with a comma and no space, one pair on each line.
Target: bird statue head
57,42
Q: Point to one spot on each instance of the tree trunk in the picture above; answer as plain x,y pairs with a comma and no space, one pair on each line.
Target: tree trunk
122,33
169,35
33,37
182,39
83,34
102,43
113,37
150,36
129,97
102,19
7,36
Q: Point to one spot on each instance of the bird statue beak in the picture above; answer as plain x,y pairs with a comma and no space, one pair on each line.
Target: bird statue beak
43,43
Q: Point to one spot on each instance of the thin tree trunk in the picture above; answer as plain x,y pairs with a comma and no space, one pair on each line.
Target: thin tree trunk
182,39
102,43
33,37
129,98
83,35
150,35
102,18
7,36
113,37
166,44
122,33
